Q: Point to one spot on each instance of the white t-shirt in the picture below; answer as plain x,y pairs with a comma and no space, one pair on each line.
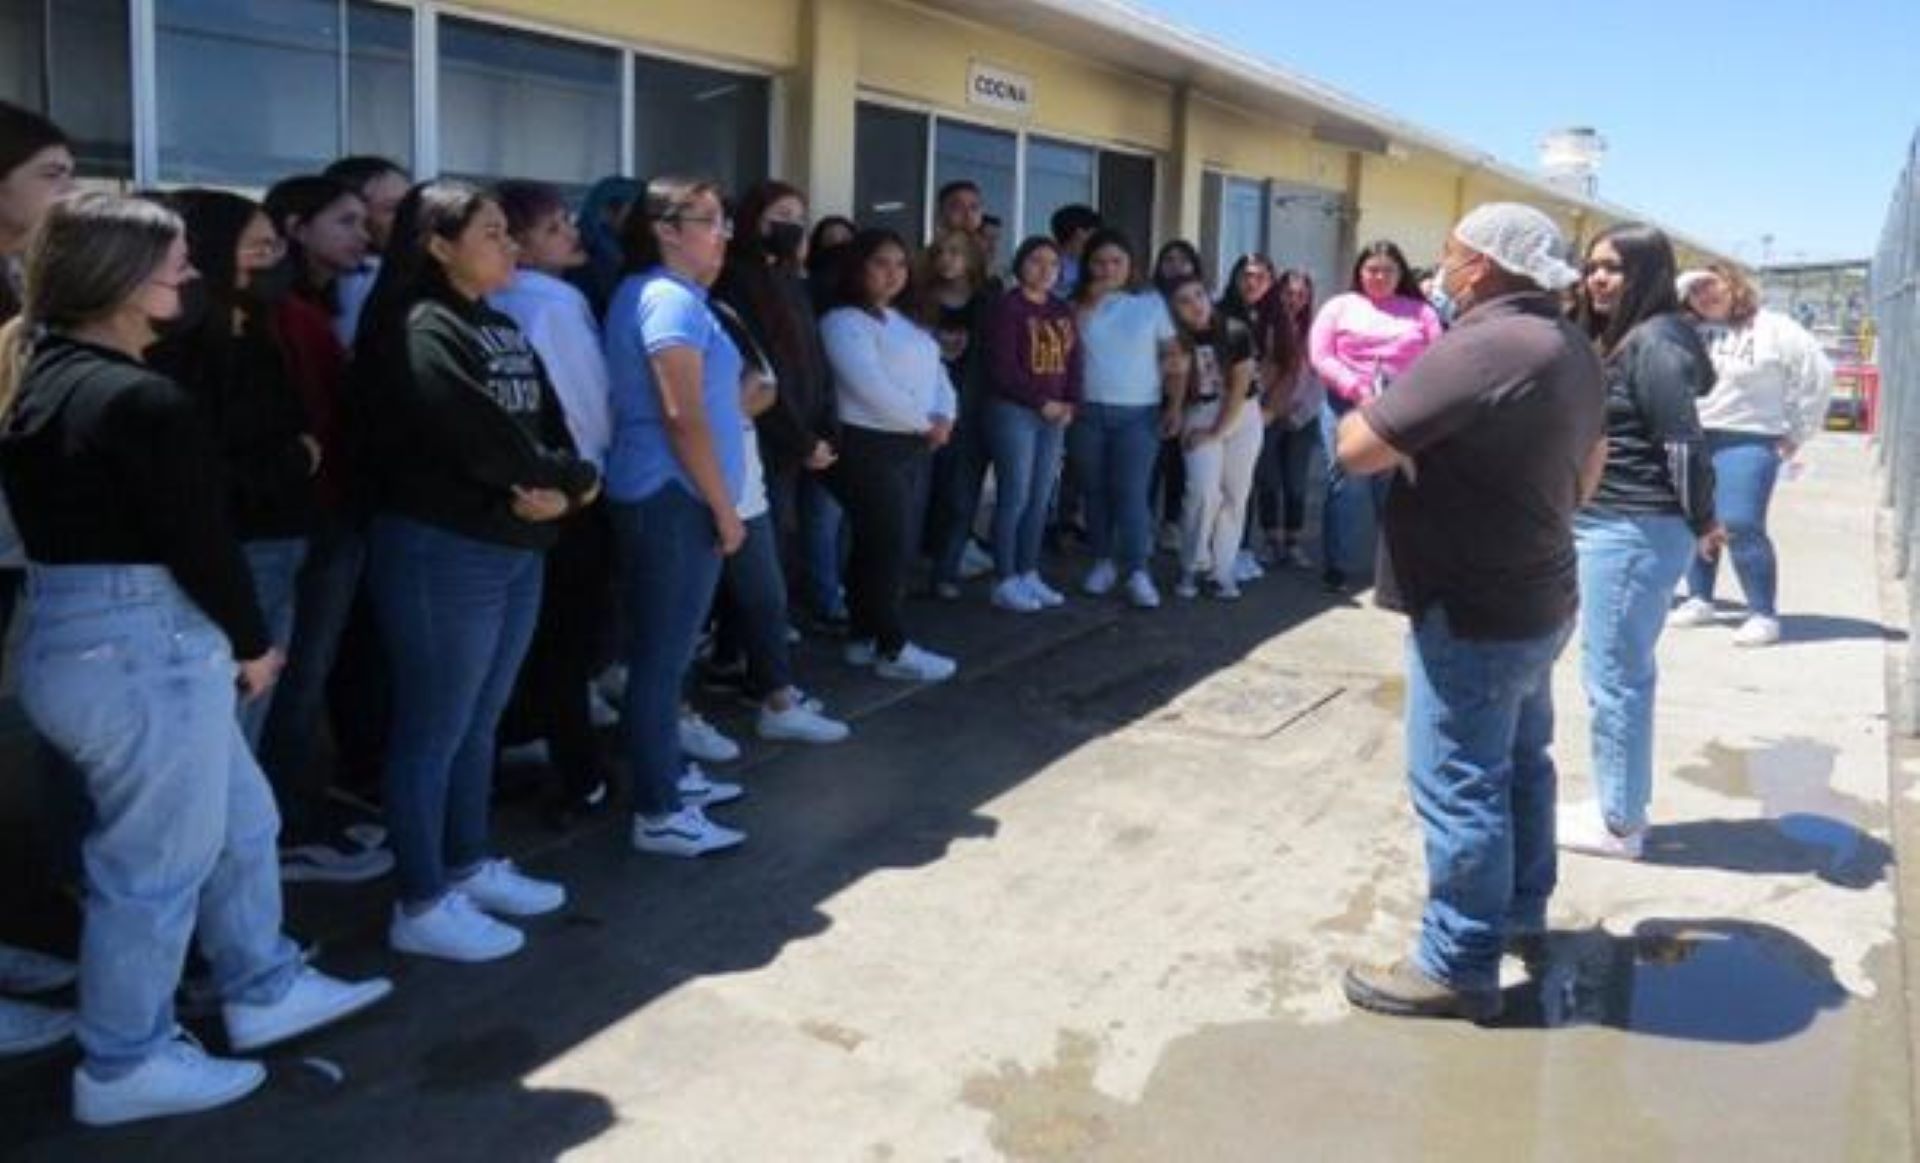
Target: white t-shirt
1120,342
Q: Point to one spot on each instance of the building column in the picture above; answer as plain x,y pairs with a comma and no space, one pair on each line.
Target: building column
823,116
1186,166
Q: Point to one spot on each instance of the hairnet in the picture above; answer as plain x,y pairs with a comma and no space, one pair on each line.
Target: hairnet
1520,240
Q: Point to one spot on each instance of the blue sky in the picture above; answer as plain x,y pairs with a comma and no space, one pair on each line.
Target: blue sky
1727,120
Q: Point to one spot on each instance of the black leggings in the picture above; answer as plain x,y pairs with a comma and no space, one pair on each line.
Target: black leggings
1280,478
552,700
880,479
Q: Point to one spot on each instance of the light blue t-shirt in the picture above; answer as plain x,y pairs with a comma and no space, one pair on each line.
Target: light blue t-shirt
651,312
1120,344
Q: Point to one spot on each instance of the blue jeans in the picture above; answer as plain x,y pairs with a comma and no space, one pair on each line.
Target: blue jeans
1026,463
668,570
1628,568
1350,522
275,566
1479,739
753,611
823,545
129,680
1745,468
1113,449
329,579
457,615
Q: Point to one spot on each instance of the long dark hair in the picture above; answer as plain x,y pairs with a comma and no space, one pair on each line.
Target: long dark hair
850,284
215,220
306,197
1302,319
665,200
1647,265
1407,288
750,280
408,271
1177,246
92,253
1100,240
1276,336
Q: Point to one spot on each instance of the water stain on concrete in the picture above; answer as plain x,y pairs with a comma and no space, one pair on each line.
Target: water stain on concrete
1390,694
1133,837
834,1034
1053,1112
1788,776
1355,918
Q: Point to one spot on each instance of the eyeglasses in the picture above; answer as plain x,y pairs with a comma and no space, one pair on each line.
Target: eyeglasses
720,222
266,250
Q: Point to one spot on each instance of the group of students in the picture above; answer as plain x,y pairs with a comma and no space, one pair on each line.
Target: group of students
471,460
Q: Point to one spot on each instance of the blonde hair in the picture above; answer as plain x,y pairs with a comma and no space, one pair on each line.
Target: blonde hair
1743,299
926,268
91,253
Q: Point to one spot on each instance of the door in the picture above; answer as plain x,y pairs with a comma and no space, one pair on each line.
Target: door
890,170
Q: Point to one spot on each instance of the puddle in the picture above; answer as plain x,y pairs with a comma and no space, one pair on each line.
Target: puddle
1050,1112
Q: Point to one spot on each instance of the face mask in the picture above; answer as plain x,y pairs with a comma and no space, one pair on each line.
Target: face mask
783,240
1442,303
270,285
193,310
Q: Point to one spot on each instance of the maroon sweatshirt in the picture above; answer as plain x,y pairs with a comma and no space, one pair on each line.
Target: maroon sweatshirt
1033,351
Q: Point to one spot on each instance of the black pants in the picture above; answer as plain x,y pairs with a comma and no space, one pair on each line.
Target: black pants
552,699
10,582
1280,478
880,480
1171,471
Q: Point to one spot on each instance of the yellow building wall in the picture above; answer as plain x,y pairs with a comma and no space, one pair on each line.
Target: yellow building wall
1410,201
1239,142
763,34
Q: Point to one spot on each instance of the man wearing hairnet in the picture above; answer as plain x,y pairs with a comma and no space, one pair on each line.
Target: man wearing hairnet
1497,433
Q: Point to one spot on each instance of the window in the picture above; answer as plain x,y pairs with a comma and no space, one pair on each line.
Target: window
518,104
70,59
986,156
380,81
1058,175
699,122
890,169
1126,197
1239,222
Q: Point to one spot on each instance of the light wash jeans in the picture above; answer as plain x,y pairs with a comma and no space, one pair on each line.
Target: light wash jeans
1479,738
1112,448
133,684
1628,568
275,565
1026,465
1746,466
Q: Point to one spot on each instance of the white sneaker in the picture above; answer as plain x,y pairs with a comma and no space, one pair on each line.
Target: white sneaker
860,652
1038,587
974,561
30,971
1186,587
1141,591
454,929
947,591
687,832
26,1027
800,723
1581,828
601,711
1100,579
534,754
1226,589
323,863
612,684
499,888
180,1079
1690,613
1246,569
701,792
701,740
913,664
1296,558
1757,630
315,1000
1011,594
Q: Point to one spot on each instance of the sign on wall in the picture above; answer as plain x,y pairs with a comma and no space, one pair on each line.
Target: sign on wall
992,87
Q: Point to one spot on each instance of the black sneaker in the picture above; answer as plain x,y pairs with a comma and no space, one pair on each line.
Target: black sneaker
1334,581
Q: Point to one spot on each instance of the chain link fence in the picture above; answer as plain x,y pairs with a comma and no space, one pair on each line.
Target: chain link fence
1895,291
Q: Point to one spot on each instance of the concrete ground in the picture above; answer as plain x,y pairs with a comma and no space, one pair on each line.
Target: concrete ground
1091,901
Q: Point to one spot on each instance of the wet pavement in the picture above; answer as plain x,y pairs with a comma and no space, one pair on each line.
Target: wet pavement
1092,900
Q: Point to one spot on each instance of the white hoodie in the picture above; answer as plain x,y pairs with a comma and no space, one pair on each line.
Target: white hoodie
1773,379
559,324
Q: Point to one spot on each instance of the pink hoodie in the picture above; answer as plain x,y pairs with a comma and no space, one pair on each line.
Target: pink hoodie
1352,335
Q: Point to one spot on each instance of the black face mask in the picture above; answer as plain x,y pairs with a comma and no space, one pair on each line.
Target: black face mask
783,240
193,311
270,285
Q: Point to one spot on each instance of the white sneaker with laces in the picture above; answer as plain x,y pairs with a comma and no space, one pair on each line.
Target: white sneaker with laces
701,740
1245,568
180,1079
1012,595
686,832
860,652
1757,630
800,723
1690,613
1226,590
1047,595
974,561
1186,587
913,664
1580,827
701,792
500,888
315,1000
31,971
1100,579
453,929
26,1027
1141,591
325,863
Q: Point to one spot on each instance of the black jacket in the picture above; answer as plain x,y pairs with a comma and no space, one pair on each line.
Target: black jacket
1657,458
